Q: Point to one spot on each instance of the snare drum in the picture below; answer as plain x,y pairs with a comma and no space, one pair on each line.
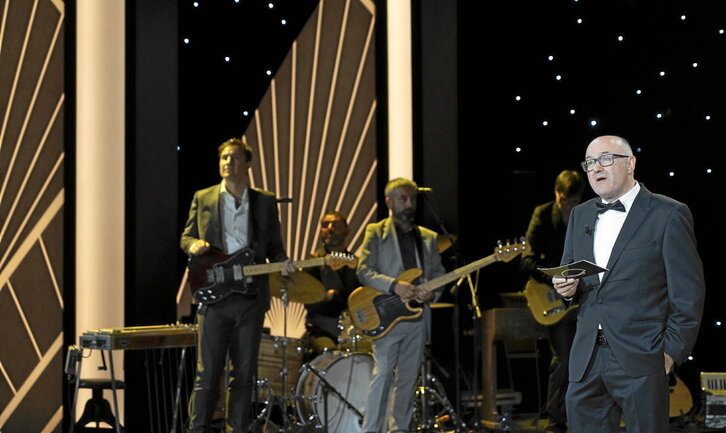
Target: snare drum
350,375
270,362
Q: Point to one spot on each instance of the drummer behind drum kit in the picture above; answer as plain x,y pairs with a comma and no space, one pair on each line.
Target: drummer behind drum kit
327,394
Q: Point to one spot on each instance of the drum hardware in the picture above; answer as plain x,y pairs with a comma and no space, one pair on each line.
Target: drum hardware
280,286
338,408
430,391
327,388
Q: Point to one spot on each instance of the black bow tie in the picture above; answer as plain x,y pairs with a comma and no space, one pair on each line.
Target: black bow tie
604,207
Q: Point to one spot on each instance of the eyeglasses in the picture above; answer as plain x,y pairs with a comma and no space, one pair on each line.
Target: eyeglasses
605,161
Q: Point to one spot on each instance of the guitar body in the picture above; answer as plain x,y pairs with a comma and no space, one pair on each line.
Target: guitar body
546,305
681,401
375,313
215,275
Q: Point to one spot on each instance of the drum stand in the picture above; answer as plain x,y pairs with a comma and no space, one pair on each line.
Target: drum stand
328,387
429,391
262,421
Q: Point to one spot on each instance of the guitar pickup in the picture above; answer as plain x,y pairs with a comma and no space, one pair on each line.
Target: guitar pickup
237,272
360,316
219,274
210,276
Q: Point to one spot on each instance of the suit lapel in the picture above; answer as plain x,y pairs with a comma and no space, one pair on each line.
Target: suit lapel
253,218
216,217
591,218
641,206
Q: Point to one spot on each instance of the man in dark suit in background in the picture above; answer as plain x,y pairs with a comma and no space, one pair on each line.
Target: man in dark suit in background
643,314
546,239
230,216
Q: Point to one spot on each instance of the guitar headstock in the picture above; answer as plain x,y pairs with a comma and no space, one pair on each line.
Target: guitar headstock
337,260
508,251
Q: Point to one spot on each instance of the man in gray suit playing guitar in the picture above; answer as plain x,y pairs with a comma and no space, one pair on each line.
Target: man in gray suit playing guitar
390,247
642,315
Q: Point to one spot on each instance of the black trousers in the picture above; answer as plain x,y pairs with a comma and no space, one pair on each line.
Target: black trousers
232,326
560,336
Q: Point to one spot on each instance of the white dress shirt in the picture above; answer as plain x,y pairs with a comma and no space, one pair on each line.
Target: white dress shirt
235,220
607,228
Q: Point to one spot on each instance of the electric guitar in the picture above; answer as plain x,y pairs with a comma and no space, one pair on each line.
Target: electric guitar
546,305
375,313
215,275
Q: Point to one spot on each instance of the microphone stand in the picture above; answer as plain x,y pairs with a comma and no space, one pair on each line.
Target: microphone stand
459,262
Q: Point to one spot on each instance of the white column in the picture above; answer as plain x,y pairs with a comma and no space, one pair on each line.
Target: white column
400,111
100,195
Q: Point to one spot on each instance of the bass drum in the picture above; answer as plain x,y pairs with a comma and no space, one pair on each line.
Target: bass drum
350,375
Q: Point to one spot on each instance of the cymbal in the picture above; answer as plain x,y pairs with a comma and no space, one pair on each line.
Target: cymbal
444,242
301,287
441,305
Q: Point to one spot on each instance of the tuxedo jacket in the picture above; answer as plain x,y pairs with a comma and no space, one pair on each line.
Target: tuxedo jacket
651,299
381,263
205,223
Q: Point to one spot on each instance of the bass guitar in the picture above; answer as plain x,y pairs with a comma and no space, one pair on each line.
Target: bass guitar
375,313
215,275
546,305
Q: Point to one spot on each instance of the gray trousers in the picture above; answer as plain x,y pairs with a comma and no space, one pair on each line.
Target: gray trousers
397,357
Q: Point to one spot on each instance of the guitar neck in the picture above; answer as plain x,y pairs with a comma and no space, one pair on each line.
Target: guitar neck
457,273
269,268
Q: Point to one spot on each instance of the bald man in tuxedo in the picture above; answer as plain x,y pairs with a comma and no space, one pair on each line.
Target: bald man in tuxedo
641,316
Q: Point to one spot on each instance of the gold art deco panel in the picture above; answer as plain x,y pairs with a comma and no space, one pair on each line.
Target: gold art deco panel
31,215
314,130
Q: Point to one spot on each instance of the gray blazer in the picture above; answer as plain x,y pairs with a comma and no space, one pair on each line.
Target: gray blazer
380,261
651,300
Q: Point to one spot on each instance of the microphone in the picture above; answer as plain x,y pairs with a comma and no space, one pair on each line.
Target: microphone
284,200
424,190
588,230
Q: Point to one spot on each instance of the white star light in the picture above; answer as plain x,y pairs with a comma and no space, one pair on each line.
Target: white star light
517,98
545,123
268,72
572,111
662,73
227,59
593,123
620,38
638,92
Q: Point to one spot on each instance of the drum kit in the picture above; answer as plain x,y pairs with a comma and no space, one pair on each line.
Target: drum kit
328,393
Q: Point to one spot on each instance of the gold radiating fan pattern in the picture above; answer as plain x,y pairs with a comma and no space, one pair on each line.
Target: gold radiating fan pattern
314,130
31,214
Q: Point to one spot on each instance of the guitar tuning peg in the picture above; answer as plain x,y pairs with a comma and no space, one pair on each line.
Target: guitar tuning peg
499,243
